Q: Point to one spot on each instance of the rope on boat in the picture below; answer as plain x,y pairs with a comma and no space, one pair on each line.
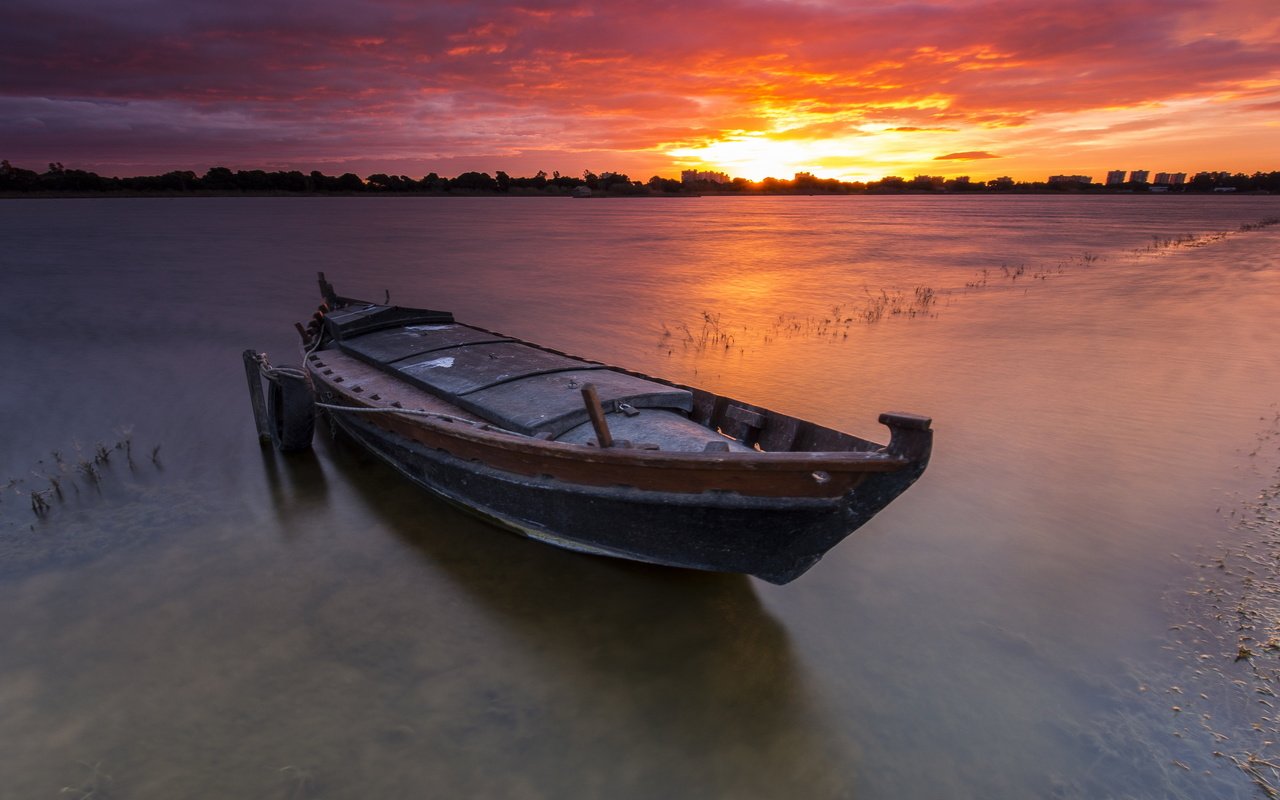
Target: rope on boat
271,373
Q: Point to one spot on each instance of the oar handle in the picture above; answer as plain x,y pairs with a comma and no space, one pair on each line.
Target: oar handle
596,411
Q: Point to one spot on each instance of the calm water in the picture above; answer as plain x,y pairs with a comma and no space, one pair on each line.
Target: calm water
209,620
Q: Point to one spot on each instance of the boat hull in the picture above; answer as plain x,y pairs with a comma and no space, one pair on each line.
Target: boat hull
774,539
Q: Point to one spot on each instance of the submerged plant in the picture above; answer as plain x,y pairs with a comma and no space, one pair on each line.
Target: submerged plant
89,469
39,502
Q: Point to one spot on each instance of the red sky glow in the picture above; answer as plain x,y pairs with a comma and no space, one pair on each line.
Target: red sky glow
1024,88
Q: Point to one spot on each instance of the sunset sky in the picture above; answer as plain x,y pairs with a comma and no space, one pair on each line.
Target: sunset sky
849,90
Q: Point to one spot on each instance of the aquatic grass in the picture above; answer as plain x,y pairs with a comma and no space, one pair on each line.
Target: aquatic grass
1205,718
1015,273
710,334
876,306
39,502
126,444
716,335
1259,225
91,470
1232,629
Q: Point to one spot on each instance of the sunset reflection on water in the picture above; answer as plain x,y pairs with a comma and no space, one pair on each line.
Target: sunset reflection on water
224,622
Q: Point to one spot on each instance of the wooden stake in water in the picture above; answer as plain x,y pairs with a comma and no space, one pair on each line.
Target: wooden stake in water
253,373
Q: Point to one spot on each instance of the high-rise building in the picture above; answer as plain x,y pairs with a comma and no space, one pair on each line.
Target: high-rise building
692,175
1139,176
1115,177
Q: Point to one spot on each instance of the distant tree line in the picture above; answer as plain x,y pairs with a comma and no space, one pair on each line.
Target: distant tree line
221,180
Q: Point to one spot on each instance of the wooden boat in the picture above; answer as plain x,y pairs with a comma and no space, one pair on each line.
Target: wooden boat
583,455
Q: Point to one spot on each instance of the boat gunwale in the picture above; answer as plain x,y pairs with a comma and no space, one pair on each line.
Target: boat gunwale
488,433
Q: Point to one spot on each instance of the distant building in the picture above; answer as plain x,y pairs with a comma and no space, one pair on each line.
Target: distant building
693,175
1139,176
1115,177
1061,180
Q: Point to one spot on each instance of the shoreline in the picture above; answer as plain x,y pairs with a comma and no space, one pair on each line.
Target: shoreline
133,195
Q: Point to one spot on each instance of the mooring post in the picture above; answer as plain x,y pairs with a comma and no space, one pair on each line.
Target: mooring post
254,375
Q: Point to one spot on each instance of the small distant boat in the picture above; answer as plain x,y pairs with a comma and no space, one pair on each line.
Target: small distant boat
580,454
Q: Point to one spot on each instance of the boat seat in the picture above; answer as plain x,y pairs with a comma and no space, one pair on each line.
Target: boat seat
667,430
551,402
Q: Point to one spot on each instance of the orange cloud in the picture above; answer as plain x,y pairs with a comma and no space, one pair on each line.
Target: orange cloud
972,155
839,90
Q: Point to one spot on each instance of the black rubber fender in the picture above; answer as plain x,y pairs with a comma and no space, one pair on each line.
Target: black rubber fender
291,412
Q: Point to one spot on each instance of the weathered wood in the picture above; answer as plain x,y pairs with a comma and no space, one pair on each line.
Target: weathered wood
779,433
594,410
253,373
552,401
395,344
742,470
381,389
743,423
671,431
364,318
746,416
470,368
485,430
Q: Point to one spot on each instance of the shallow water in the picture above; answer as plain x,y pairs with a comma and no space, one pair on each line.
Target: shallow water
210,620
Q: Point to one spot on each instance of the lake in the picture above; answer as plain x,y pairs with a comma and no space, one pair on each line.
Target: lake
1077,600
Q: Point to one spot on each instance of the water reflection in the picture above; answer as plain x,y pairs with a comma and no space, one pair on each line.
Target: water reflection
685,674
231,626
295,481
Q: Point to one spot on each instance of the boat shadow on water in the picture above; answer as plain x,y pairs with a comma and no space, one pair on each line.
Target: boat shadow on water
680,667
294,482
